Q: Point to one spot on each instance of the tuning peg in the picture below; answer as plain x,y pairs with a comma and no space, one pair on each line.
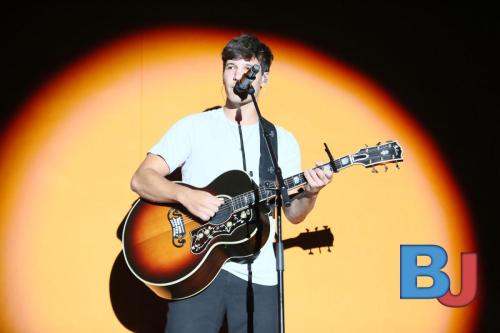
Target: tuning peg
386,168
378,143
397,165
325,227
329,249
374,170
310,252
319,249
316,229
366,145
307,230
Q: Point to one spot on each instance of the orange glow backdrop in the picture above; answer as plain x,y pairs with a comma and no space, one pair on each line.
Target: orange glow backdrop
70,153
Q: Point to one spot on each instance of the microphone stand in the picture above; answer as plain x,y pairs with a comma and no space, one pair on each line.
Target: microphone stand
282,198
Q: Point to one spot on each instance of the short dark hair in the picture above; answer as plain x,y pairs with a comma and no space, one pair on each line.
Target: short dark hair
246,47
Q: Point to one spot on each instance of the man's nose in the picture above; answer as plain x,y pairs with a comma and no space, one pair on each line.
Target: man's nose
238,74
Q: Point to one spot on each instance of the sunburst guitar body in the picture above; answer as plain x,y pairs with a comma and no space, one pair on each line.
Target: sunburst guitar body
177,255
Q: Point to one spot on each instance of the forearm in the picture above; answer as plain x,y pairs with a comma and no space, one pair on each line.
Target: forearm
300,206
152,186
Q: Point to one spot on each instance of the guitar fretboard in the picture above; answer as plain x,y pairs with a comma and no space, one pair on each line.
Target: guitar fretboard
389,152
268,190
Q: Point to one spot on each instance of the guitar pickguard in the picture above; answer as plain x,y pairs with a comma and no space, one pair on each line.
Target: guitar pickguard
204,235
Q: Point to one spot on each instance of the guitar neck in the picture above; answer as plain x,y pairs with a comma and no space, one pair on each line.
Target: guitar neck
267,190
389,152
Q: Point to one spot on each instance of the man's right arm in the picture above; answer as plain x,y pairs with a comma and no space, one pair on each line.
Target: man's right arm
149,182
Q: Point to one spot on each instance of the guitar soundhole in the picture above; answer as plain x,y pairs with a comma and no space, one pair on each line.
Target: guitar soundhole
225,211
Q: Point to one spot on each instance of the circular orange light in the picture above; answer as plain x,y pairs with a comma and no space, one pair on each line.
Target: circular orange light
72,150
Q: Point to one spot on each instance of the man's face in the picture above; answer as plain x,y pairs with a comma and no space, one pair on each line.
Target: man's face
233,71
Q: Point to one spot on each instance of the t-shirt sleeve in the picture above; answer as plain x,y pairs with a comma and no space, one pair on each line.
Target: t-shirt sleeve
288,154
175,145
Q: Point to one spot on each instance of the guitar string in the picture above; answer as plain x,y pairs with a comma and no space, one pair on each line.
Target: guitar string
288,181
238,200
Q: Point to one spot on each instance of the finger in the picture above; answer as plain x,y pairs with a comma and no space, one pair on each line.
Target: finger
315,177
309,178
216,201
326,170
313,185
322,176
210,212
320,165
204,217
211,208
210,200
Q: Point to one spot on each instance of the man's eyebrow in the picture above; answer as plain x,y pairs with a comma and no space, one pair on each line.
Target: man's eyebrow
233,62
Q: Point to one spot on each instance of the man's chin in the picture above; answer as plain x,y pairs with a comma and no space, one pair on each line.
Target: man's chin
235,101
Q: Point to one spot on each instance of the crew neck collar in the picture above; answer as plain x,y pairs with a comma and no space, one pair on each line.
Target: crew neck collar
234,123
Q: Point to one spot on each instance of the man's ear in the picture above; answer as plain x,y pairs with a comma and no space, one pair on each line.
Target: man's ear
265,79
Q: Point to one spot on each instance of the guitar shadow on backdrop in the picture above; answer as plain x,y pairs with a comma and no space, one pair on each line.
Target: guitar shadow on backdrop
139,310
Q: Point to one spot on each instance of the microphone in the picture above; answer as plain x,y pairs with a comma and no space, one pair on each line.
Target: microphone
244,86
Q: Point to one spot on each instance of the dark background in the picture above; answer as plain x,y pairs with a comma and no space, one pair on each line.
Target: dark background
438,61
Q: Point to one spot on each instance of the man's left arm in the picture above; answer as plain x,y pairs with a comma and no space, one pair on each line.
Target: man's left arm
304,202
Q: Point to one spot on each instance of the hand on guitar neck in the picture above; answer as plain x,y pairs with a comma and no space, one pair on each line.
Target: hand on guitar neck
317,178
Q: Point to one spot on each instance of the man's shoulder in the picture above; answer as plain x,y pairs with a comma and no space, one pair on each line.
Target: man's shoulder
283,132
200,117
286,139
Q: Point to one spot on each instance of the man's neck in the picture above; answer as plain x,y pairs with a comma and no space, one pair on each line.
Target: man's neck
245,114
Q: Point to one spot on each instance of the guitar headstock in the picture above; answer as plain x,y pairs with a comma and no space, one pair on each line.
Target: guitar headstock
382,153
313,239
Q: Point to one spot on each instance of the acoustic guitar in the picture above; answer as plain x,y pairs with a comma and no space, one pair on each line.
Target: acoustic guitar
177,255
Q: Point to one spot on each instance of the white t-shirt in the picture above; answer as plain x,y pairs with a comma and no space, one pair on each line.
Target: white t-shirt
208,144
